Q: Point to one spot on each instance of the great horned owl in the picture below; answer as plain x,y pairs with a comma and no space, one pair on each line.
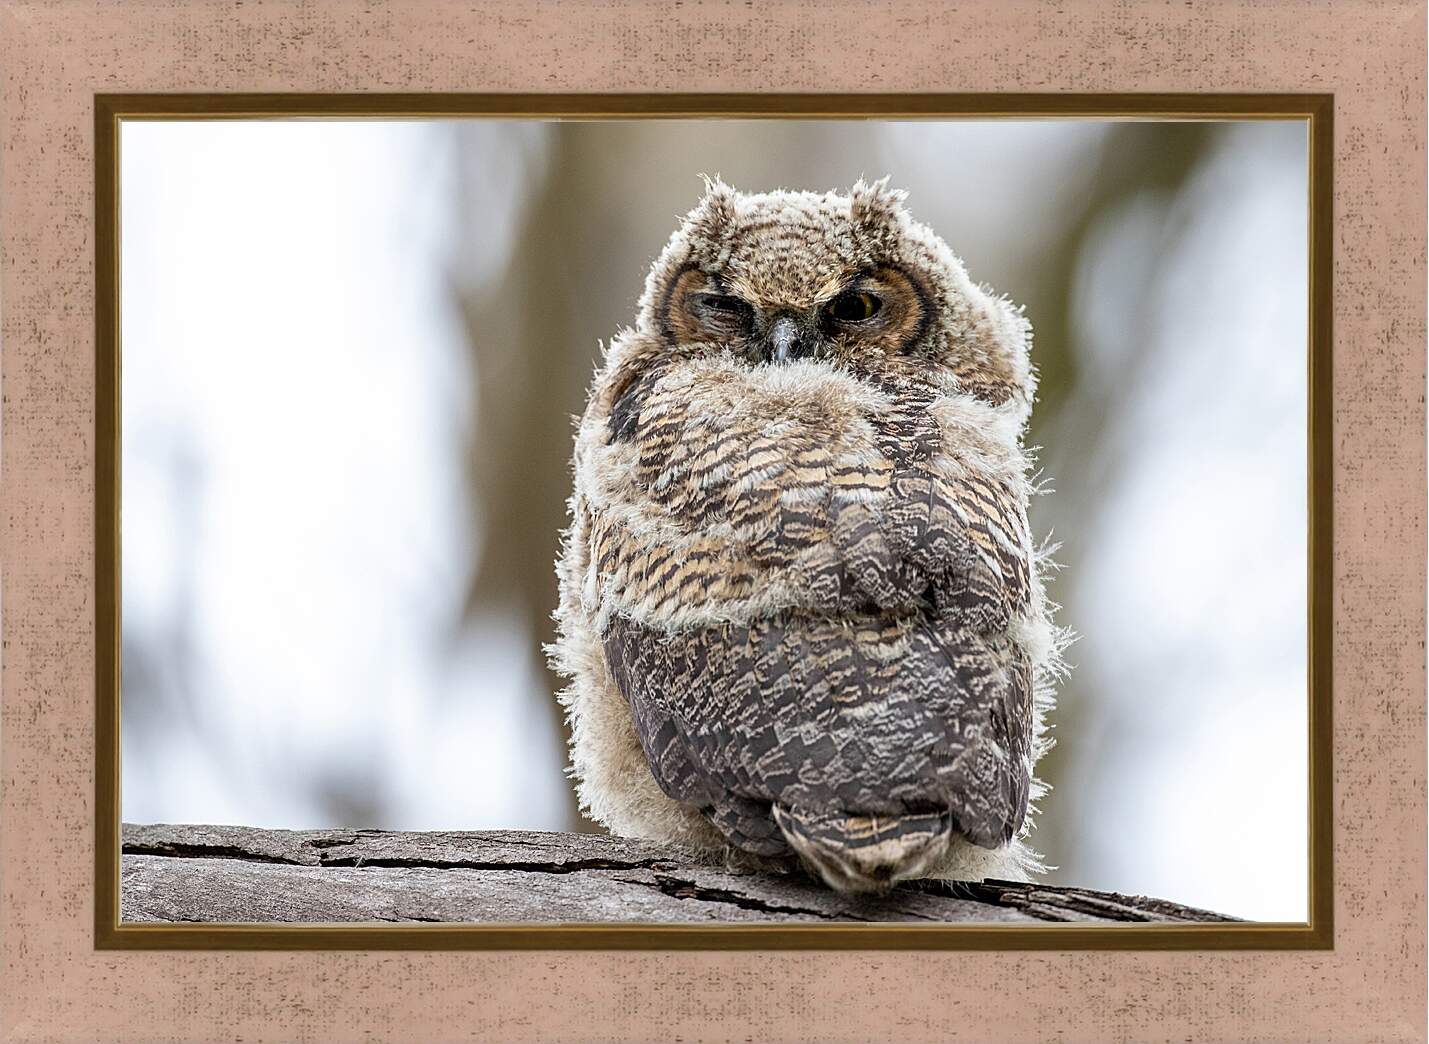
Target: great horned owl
801,609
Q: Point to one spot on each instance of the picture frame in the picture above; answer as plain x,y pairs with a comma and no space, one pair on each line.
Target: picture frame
111,931
1344,713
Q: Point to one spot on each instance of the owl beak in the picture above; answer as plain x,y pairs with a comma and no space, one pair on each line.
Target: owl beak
786,341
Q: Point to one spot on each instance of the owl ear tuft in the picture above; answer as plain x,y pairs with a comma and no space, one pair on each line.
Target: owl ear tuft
715,211
873,203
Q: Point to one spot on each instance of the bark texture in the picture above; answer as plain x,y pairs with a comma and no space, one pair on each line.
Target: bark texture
196,873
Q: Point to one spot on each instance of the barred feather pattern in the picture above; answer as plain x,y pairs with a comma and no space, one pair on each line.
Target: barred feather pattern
873,514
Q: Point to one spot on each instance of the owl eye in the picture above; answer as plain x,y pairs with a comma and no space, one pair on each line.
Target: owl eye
725,314
854,306
723,303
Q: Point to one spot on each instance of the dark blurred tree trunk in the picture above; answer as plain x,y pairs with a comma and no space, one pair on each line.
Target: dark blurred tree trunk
521,333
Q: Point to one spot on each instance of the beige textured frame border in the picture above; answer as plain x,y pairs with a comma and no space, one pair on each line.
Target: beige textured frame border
110,111
55,57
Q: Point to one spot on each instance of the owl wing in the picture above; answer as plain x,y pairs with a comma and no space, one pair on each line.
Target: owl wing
895,718
815,614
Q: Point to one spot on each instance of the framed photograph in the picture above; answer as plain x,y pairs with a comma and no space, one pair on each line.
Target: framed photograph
772,644
613,523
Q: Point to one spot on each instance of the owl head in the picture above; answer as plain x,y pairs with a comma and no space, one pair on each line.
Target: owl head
850,280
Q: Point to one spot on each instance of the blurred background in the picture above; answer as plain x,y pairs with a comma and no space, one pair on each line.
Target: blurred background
351,356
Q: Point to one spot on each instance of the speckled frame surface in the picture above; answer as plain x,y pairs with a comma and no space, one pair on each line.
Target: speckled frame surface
54,59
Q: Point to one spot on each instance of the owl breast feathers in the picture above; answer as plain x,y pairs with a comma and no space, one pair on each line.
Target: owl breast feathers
801,610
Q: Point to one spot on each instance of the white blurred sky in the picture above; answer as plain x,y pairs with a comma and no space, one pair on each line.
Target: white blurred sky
295,398
286,327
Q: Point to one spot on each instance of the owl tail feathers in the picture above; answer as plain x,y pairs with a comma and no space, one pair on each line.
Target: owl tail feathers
861,853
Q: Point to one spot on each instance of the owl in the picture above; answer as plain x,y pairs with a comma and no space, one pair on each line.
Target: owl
801,612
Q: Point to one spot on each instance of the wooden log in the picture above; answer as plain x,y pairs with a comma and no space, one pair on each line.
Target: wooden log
237,874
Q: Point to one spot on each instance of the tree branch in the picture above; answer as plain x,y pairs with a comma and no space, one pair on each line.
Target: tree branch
184,873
